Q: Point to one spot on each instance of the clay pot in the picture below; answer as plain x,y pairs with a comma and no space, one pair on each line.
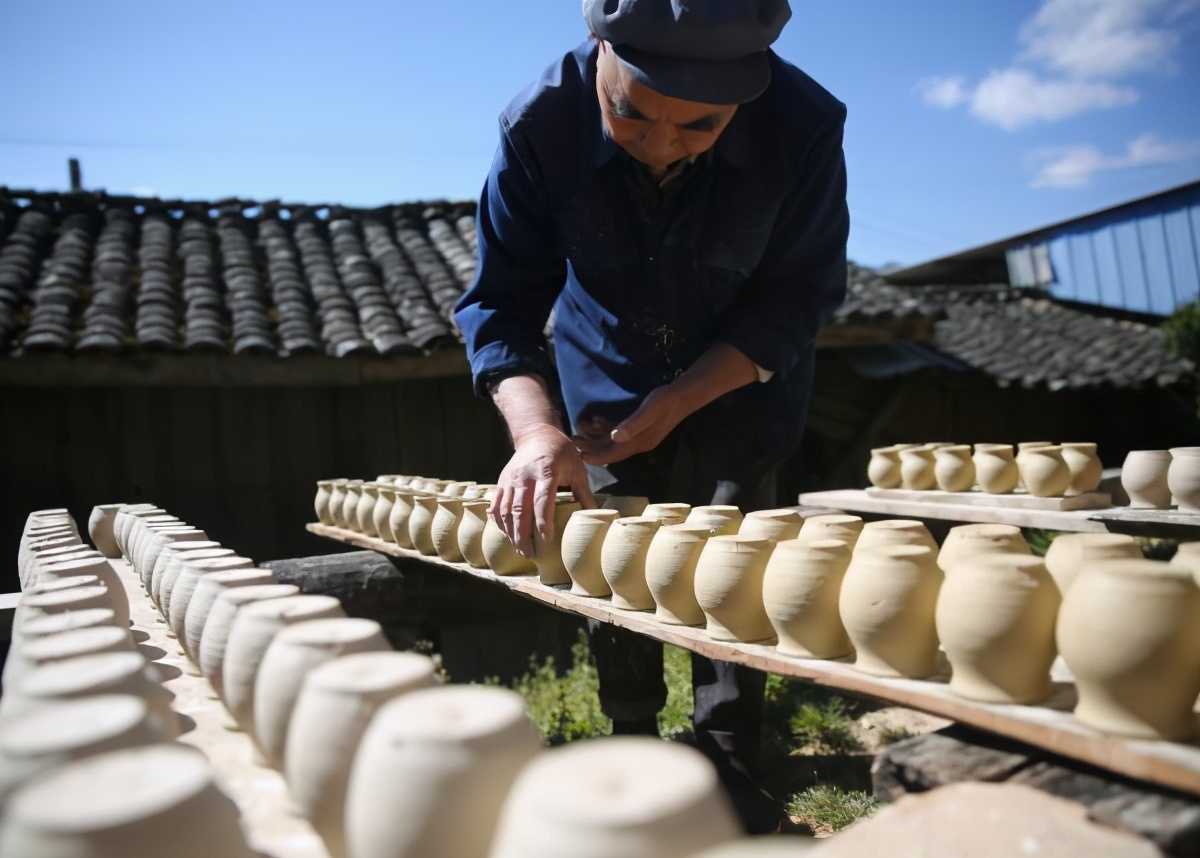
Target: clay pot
162,586
1183,478
847,528
431,760
456,488
336,703
622,796
995,620
254,627
887,603
215,637
1085,466
774,524
321,501
72,730
190,573
470,532
917,468
27,557
293,652
32,654
883,470
996,469
153,545
61,595
722,519
1144,478
381,515
337,501
105,574
582,539
970,541
53,624
208,589
894,531
626,506
729,580
1044,471
100,529
141,802
801,585
1071,553
1129,630
443,530
127,516
953,469
671,572
1187,556
420,523
398,518
547,554
623,561
364,513
169,552
668,513
479,491
350,504
501,555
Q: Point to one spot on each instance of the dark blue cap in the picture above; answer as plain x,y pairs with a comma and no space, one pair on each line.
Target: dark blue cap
711,51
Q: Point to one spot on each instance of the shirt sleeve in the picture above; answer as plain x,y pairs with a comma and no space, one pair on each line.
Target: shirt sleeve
801,279
518,276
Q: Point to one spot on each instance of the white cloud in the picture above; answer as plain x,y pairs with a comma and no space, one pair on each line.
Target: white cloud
943,92
1014,98
1074,166
1089,39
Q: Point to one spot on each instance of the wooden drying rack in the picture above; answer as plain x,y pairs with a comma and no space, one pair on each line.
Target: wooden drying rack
1049,726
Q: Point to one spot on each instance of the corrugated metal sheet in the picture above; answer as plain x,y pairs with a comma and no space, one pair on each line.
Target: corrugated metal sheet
1143,258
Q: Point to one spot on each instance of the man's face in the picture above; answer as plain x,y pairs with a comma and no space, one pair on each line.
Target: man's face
655,129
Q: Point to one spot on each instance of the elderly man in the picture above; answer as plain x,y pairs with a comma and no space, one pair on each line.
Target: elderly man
676,194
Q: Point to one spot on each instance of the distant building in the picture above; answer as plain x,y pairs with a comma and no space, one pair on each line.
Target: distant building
1142,256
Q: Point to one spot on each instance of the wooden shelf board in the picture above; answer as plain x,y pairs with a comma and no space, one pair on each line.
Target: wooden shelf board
1050,726
1015,500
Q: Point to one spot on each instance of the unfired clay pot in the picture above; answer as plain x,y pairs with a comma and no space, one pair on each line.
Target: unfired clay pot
140,802
443,530
996,470
54,624
671,572
501,555
254,627
401,512
169,553
969,541
801,585
887,604
774,524
219,624
191,571
350,504
433,769
1071,553
1144,478
1187,556
100,529
162,588
1129,630
365,513
420,523
883,470
337,501
615,797
293,652
1085,466
995,620
32,654
917,468
381,514
894,531
668,513
208,588
722,519
336,703
547,554
1183,478
321,501
582,539
99,567
729,580
836,526
1044,472
470,532
623,561
626,505
953,468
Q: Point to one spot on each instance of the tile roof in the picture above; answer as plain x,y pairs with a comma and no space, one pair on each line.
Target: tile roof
85,272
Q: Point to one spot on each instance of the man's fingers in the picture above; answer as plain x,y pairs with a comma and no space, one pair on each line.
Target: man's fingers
544,497
498,510
583,492
519,522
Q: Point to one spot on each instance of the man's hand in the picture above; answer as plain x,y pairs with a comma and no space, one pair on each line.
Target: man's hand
659,413
544,459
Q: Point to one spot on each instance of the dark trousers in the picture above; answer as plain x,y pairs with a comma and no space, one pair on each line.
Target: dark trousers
701,462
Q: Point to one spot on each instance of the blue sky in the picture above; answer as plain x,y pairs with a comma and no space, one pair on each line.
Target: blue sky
969,120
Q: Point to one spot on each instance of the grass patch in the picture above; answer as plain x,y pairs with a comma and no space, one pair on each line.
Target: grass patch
892,735
824,726
564,708
826,809
1039,540
675,719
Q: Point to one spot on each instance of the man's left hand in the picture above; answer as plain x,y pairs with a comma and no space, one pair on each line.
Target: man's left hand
659,413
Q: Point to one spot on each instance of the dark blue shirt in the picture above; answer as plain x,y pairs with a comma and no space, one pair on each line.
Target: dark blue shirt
750,250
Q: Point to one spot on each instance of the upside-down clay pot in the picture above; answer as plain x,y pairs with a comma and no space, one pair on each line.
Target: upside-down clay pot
969,541
623,561
582,540
100,529
847,528
219,623
774,524
1071,553
800,590
995,620
208,589
1129,630
887,604
996,470
729,582
671,572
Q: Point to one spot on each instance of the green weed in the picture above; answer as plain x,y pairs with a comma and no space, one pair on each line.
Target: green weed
826,808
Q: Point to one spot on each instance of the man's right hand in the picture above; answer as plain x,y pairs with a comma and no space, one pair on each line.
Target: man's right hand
543,459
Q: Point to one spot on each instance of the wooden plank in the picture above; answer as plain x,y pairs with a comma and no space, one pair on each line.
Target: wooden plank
8,608
858,500
1013,500
1162,523
1050,726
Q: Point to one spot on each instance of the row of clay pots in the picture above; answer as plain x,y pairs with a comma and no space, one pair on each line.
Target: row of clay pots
1043,468
1154,479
